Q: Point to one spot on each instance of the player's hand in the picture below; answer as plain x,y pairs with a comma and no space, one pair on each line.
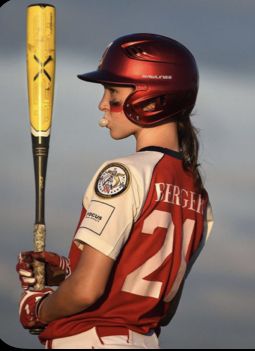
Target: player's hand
29,308
57,268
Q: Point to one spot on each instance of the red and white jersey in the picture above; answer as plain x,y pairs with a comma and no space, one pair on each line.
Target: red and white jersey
144,213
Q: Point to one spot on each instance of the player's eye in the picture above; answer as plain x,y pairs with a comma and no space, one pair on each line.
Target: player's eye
110,89
115,103
113,91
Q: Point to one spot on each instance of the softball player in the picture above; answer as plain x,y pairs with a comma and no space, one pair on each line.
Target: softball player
145,217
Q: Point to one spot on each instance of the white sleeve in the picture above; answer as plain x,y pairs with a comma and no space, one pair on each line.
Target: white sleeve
113,202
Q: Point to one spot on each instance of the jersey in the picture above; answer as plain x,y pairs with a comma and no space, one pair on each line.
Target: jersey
144,213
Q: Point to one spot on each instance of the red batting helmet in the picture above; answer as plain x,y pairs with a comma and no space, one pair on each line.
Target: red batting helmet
159,68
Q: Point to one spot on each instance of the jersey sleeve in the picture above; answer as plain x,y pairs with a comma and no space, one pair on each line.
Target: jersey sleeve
113,201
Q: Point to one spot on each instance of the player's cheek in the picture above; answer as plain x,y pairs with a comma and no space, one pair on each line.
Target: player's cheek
116,108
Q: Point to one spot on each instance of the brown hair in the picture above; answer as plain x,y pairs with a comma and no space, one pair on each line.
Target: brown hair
189,144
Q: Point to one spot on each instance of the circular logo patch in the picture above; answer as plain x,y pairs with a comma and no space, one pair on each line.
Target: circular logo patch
112,180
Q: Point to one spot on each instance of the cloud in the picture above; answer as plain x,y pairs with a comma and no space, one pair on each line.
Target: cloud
224,41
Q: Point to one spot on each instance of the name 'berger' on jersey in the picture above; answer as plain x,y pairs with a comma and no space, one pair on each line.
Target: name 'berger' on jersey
175,195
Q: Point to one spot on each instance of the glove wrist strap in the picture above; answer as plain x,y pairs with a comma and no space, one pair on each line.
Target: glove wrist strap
38,308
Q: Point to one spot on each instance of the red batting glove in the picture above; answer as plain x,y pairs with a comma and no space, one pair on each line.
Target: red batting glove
25,269
29,308
57,268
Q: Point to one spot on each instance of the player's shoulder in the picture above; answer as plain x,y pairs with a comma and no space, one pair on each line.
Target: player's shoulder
137,163
132,171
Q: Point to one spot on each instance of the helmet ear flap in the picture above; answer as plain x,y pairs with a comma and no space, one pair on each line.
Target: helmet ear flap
160,106
147,110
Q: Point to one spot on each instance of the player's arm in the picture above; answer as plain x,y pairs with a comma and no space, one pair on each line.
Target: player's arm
78,291
81,289
101,235
101,242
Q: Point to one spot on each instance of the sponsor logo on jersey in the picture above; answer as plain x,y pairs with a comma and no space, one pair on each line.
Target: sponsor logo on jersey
97,216
94,216
113,180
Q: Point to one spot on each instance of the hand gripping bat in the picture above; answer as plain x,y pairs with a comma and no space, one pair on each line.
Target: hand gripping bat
40,81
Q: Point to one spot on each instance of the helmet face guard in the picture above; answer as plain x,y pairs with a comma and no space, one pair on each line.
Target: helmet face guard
160,69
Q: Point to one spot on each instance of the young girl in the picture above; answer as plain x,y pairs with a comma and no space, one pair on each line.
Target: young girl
145,217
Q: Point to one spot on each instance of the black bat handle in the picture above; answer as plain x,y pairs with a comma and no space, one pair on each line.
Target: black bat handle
40,155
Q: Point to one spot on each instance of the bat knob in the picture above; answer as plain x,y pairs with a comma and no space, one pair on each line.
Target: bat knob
36,331
103,122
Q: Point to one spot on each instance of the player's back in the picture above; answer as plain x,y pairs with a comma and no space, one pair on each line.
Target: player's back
153,262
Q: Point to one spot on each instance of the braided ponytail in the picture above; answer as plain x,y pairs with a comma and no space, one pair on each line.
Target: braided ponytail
189,144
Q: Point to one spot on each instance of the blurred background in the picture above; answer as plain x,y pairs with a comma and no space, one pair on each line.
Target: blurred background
217,309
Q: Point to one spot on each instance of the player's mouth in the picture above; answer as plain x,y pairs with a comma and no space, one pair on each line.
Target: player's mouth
104,122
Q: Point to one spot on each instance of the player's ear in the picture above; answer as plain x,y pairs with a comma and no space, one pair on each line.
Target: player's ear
150,107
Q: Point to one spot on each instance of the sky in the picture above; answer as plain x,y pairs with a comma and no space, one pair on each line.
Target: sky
217,309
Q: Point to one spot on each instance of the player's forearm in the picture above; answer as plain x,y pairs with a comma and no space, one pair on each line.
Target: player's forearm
65,301
81,289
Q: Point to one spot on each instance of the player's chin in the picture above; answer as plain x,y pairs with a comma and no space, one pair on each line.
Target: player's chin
118,135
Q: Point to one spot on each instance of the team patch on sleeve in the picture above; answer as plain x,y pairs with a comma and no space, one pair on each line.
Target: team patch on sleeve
113,180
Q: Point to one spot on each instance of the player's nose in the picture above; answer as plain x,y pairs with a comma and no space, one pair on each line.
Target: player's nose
104,104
